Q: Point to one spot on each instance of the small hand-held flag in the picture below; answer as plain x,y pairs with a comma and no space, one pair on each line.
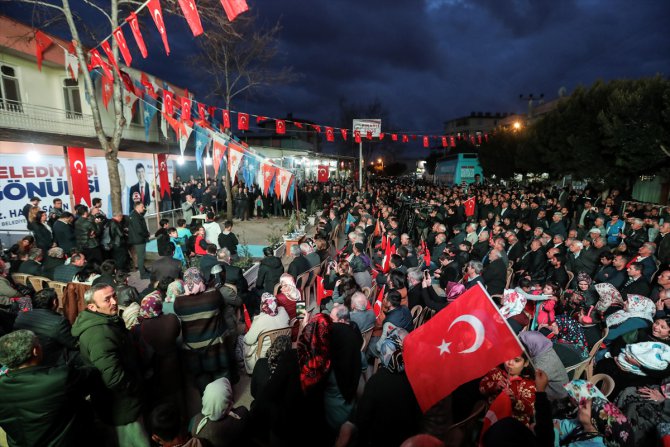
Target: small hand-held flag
470,206
463,341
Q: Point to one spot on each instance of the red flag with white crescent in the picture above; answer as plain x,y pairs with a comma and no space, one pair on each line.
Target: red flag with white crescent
344,134
242,121
426,141
79,175
381,136
168,102
106,90
123,45
226,119
269,172
394,137
97,61
463,341
42,42
368,135
470,206
444,141
135,28
280,126
405,138
452,141
154,7
234,8
357,136
316,128
163,177
323,173
185,104
321,291
377,308
192,17
110,56
330,136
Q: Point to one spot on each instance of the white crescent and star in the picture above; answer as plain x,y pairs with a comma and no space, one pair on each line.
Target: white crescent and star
80,167
479,334
159,20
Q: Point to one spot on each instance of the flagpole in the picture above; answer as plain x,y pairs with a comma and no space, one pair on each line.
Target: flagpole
495,306
159,199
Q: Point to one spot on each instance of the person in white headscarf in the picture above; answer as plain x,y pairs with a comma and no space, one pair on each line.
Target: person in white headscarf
218,422
638,313
272,317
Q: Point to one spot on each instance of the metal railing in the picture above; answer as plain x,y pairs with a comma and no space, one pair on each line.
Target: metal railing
22,116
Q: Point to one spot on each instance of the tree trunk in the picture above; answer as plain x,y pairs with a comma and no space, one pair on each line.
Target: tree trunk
229,195
114,181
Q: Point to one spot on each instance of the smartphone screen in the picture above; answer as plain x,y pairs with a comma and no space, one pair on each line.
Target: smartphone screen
300,310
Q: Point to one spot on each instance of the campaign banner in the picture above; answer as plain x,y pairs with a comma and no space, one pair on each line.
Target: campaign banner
21,179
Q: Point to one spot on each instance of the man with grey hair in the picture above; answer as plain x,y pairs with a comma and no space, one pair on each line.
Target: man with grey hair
299,264
634,236
40,405
471,233
645,256
495,273
363,317
557,226
33,265
578,260
472,274
414,293
309,254
105,345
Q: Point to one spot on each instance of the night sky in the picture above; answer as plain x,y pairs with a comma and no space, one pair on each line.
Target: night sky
431,61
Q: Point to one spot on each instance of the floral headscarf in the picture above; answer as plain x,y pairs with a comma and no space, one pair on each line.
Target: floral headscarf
570,331
637,306
584,277
313,355
513,303
175,289
217,401
151,307
611,423
288,287
278,347
609,296
269,304
582,390
193,282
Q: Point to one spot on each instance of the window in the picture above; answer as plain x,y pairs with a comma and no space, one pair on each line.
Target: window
72,99
10,95
138,117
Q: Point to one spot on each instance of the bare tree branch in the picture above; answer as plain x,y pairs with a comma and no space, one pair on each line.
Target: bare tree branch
102,11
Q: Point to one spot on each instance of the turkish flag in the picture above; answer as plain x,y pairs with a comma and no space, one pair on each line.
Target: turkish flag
479,138
323,173
242,121
368,135
135,28
486,137
157,14
234,8
321,292
110,56
405,138
377,307
426,253
78,175
357,136
384,242
226,119
386,266
426,141
330,136
202,111
123,45
148,86
297,124
317,128
163,175
185,104
452,141
96,61
42,42
168,102
470,206
235,154
472,139
394,137
192,17
269,172
218,152
280,126
381,136
444,142
460,343
106,90
344,134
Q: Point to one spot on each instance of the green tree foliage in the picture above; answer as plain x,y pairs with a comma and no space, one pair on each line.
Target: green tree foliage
498,156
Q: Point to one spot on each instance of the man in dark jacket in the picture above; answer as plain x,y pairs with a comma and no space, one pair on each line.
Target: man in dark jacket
32,265
269,271
299,264
138,236
65,272
166,265
227,239
208,261
41,405
636,284
105,345
118,241
64,233
55,258
86,234
52,329
495,273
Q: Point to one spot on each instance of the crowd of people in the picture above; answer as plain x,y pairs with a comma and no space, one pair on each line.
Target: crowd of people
580,278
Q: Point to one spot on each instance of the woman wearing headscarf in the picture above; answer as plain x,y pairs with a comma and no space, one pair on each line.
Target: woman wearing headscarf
648,410
271,317
598,423
541,352
288,294
637,313
157,334
175,289
205,357
577,302
569,340
43,234
609,301
388,400
219,423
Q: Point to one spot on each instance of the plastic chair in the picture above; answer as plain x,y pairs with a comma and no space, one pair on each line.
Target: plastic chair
59,287
604,383
367,335
416,313
272,335
38,282
20,278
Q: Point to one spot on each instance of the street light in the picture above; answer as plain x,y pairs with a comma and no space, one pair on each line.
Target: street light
381,162
517,125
